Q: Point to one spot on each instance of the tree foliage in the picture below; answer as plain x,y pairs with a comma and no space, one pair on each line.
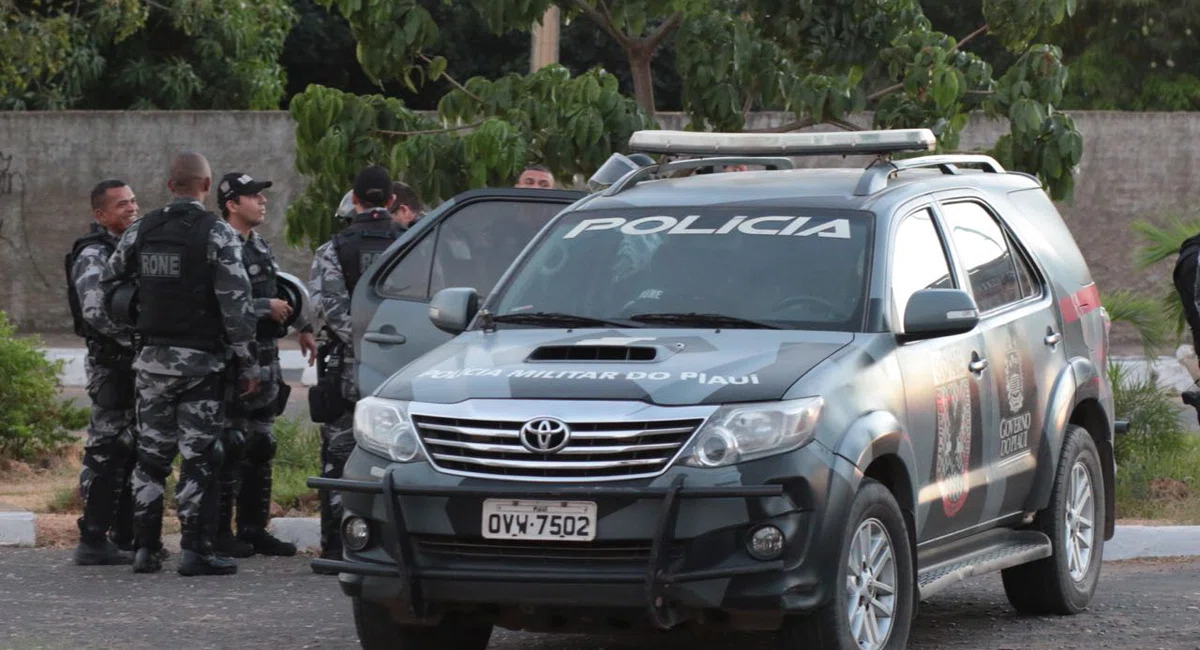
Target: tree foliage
820,60
165,54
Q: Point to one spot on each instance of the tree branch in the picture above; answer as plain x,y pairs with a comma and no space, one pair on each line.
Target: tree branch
784,128
604,20
453,82
664,30
970,37
885,91
844,125
448,129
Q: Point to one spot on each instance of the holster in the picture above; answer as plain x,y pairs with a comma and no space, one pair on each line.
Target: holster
116,389
325,400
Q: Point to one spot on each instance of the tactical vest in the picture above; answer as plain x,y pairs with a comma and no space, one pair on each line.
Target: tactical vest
261,269
176,299
358,246
97,236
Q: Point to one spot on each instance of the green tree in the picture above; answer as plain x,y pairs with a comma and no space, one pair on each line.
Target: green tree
820,61
137,54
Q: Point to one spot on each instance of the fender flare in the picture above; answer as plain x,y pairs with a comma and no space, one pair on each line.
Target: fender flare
1077,382
875,435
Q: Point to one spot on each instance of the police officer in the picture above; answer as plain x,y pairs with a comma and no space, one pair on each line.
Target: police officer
406,207
249,438
193,314
336,268
107,456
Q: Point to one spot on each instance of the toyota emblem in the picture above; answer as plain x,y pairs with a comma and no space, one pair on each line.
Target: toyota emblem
545,435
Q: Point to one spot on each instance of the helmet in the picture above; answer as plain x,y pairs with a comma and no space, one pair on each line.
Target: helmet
346,210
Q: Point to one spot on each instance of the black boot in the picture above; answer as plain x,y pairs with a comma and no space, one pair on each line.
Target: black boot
229,545
96,550
264,543
122,533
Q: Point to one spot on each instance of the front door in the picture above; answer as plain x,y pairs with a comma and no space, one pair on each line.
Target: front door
468,241
945,381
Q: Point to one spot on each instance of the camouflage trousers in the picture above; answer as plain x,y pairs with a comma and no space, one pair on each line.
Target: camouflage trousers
178,415
108,457
337,441
249,441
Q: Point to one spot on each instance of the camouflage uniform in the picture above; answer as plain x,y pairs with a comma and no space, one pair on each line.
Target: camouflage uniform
109,454
246,474
331,300
180,393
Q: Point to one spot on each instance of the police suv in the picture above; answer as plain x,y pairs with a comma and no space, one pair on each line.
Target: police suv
799,400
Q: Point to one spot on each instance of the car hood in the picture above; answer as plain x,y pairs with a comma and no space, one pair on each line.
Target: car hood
659,366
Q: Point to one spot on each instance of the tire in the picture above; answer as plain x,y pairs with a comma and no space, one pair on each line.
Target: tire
1049,585
377,631
874,512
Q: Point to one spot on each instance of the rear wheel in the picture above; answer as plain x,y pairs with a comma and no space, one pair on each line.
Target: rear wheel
872,604
377,631
1065,582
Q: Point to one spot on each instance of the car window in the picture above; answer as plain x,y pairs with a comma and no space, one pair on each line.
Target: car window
478,243
918,260
1030,285
796,268
985,253
410,278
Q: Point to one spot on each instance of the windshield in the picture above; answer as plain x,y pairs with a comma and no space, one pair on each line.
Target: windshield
786,267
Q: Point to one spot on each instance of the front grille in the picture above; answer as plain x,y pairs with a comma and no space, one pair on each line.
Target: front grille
595,450
608,552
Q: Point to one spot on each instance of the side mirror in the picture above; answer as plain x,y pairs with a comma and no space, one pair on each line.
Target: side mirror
932,313
452,309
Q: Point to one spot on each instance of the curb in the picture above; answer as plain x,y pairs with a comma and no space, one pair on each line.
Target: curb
17,528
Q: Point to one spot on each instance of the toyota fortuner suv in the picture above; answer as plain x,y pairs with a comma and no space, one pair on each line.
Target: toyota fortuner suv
799,400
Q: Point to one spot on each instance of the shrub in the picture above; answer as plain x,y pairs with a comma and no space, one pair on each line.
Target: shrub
34,421
1154,414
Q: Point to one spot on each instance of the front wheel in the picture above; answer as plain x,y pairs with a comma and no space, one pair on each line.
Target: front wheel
377,631
872,604
1065,582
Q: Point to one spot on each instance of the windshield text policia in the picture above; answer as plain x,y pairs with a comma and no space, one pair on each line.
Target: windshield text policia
766,225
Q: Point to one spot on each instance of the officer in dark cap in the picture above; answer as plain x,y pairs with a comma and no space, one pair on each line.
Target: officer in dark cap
249,436
336,268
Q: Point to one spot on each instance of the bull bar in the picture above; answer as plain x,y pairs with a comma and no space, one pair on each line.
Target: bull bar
655,578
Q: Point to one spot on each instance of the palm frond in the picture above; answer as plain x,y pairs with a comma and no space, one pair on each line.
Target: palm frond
1144,313
1161,242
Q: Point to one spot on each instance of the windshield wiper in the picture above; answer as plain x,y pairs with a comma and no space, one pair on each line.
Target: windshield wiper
555,319
701,320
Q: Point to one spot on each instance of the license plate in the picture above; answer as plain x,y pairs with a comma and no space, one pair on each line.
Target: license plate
548,520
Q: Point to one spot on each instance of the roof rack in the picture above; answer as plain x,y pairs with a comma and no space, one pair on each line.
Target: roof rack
875,177
835,143
642,173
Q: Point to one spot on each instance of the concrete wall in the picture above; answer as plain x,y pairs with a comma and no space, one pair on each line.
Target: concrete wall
1134,165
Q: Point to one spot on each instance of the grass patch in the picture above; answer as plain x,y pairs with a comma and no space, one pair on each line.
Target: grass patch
1161,486
297,457
1158,460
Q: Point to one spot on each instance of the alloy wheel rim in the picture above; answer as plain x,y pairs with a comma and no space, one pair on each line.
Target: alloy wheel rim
871,585
1080,517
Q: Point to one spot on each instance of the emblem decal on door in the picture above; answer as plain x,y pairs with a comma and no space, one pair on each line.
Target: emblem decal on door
1014,422
955,423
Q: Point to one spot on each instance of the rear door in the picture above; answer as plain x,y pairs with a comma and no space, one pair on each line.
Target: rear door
1022,334
469,241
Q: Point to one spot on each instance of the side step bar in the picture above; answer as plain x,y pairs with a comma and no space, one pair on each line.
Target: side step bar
978,556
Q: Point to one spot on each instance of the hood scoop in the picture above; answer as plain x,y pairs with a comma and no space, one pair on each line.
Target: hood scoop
594,353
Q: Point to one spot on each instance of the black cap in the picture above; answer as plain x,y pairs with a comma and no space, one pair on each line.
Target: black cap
373,185
235,184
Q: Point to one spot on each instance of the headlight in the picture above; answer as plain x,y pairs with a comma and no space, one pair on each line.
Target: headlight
742,432
383,427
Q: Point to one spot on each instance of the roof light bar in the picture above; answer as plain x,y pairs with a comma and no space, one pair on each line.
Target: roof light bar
784,144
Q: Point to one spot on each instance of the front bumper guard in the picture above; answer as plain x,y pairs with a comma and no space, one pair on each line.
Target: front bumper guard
655,578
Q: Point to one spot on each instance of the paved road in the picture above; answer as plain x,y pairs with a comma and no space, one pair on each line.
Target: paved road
48,603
